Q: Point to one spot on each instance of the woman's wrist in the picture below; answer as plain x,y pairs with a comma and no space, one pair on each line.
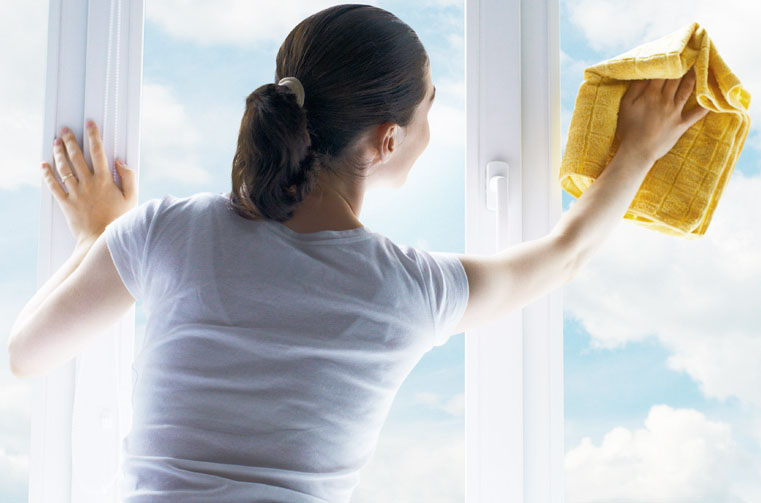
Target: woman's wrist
636,155
85,242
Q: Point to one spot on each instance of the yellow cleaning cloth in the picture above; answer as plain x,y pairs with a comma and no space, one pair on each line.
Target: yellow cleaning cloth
679,194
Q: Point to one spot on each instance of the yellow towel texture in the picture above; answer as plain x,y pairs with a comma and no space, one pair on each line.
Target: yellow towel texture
680,193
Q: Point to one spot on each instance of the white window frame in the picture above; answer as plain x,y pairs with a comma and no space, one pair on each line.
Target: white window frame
82,411
514,367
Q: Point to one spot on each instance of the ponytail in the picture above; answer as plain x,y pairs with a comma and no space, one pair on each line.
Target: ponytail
274,167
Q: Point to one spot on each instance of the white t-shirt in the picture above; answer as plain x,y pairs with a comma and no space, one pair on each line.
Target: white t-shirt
271,357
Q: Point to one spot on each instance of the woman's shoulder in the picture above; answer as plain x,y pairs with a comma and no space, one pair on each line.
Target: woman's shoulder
171,211
408,256
199,201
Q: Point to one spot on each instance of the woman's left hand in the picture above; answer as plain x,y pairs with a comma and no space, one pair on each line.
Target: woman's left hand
94,200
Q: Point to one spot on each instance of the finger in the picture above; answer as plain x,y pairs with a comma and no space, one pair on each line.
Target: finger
127,176
686,86
78,164
97,152
670,87
635,90
656,85
61,164
52,183
694,115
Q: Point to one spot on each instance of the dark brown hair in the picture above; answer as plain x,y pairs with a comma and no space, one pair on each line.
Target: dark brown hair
360,67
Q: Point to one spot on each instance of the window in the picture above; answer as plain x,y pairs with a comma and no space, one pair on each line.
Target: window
635,380
660,378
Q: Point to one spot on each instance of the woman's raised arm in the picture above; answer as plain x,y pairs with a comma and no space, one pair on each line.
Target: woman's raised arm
651,120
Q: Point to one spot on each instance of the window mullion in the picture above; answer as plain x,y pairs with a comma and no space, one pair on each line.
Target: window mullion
514,385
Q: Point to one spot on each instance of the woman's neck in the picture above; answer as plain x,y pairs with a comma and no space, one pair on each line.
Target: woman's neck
328,207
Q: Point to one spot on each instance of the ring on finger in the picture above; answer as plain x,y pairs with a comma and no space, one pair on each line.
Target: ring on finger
63,179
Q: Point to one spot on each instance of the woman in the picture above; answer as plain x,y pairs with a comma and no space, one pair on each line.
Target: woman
279,327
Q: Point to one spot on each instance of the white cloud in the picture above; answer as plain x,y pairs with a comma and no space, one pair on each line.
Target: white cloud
15,402
415,463
450,89
457,43
422,244
23,28
451,404
611,24
447,126
612,27
444,3
171,144
700,298
233,22
679,455
572,70
15,413
573,67
14,475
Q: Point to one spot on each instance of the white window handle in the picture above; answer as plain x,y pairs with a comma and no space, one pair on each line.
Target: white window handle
503,195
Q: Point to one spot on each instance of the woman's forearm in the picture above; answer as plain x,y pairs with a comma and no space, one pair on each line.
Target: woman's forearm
593,216
63,272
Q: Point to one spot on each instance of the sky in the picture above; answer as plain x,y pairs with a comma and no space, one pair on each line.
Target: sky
661,335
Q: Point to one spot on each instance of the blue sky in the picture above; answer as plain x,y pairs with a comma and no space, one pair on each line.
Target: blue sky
646,373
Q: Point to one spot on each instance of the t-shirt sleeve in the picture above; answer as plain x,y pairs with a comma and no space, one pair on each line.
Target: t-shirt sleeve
127,238
447,286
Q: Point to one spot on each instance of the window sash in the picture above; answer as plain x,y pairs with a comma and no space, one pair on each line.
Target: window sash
514,366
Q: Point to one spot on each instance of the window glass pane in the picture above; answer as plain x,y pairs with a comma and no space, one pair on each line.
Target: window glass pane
23,39
200,63
663,335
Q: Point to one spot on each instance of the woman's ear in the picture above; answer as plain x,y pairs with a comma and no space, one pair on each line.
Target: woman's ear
384,140
387,140
388,144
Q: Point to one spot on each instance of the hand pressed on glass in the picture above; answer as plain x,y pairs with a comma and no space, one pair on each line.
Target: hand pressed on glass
93,199
651,117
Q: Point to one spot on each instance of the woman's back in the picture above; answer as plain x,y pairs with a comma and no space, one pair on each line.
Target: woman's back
271,357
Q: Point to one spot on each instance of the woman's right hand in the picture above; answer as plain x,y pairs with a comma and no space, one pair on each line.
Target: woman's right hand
651,116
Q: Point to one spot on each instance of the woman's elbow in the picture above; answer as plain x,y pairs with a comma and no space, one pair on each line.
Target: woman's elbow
19,364
13,361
